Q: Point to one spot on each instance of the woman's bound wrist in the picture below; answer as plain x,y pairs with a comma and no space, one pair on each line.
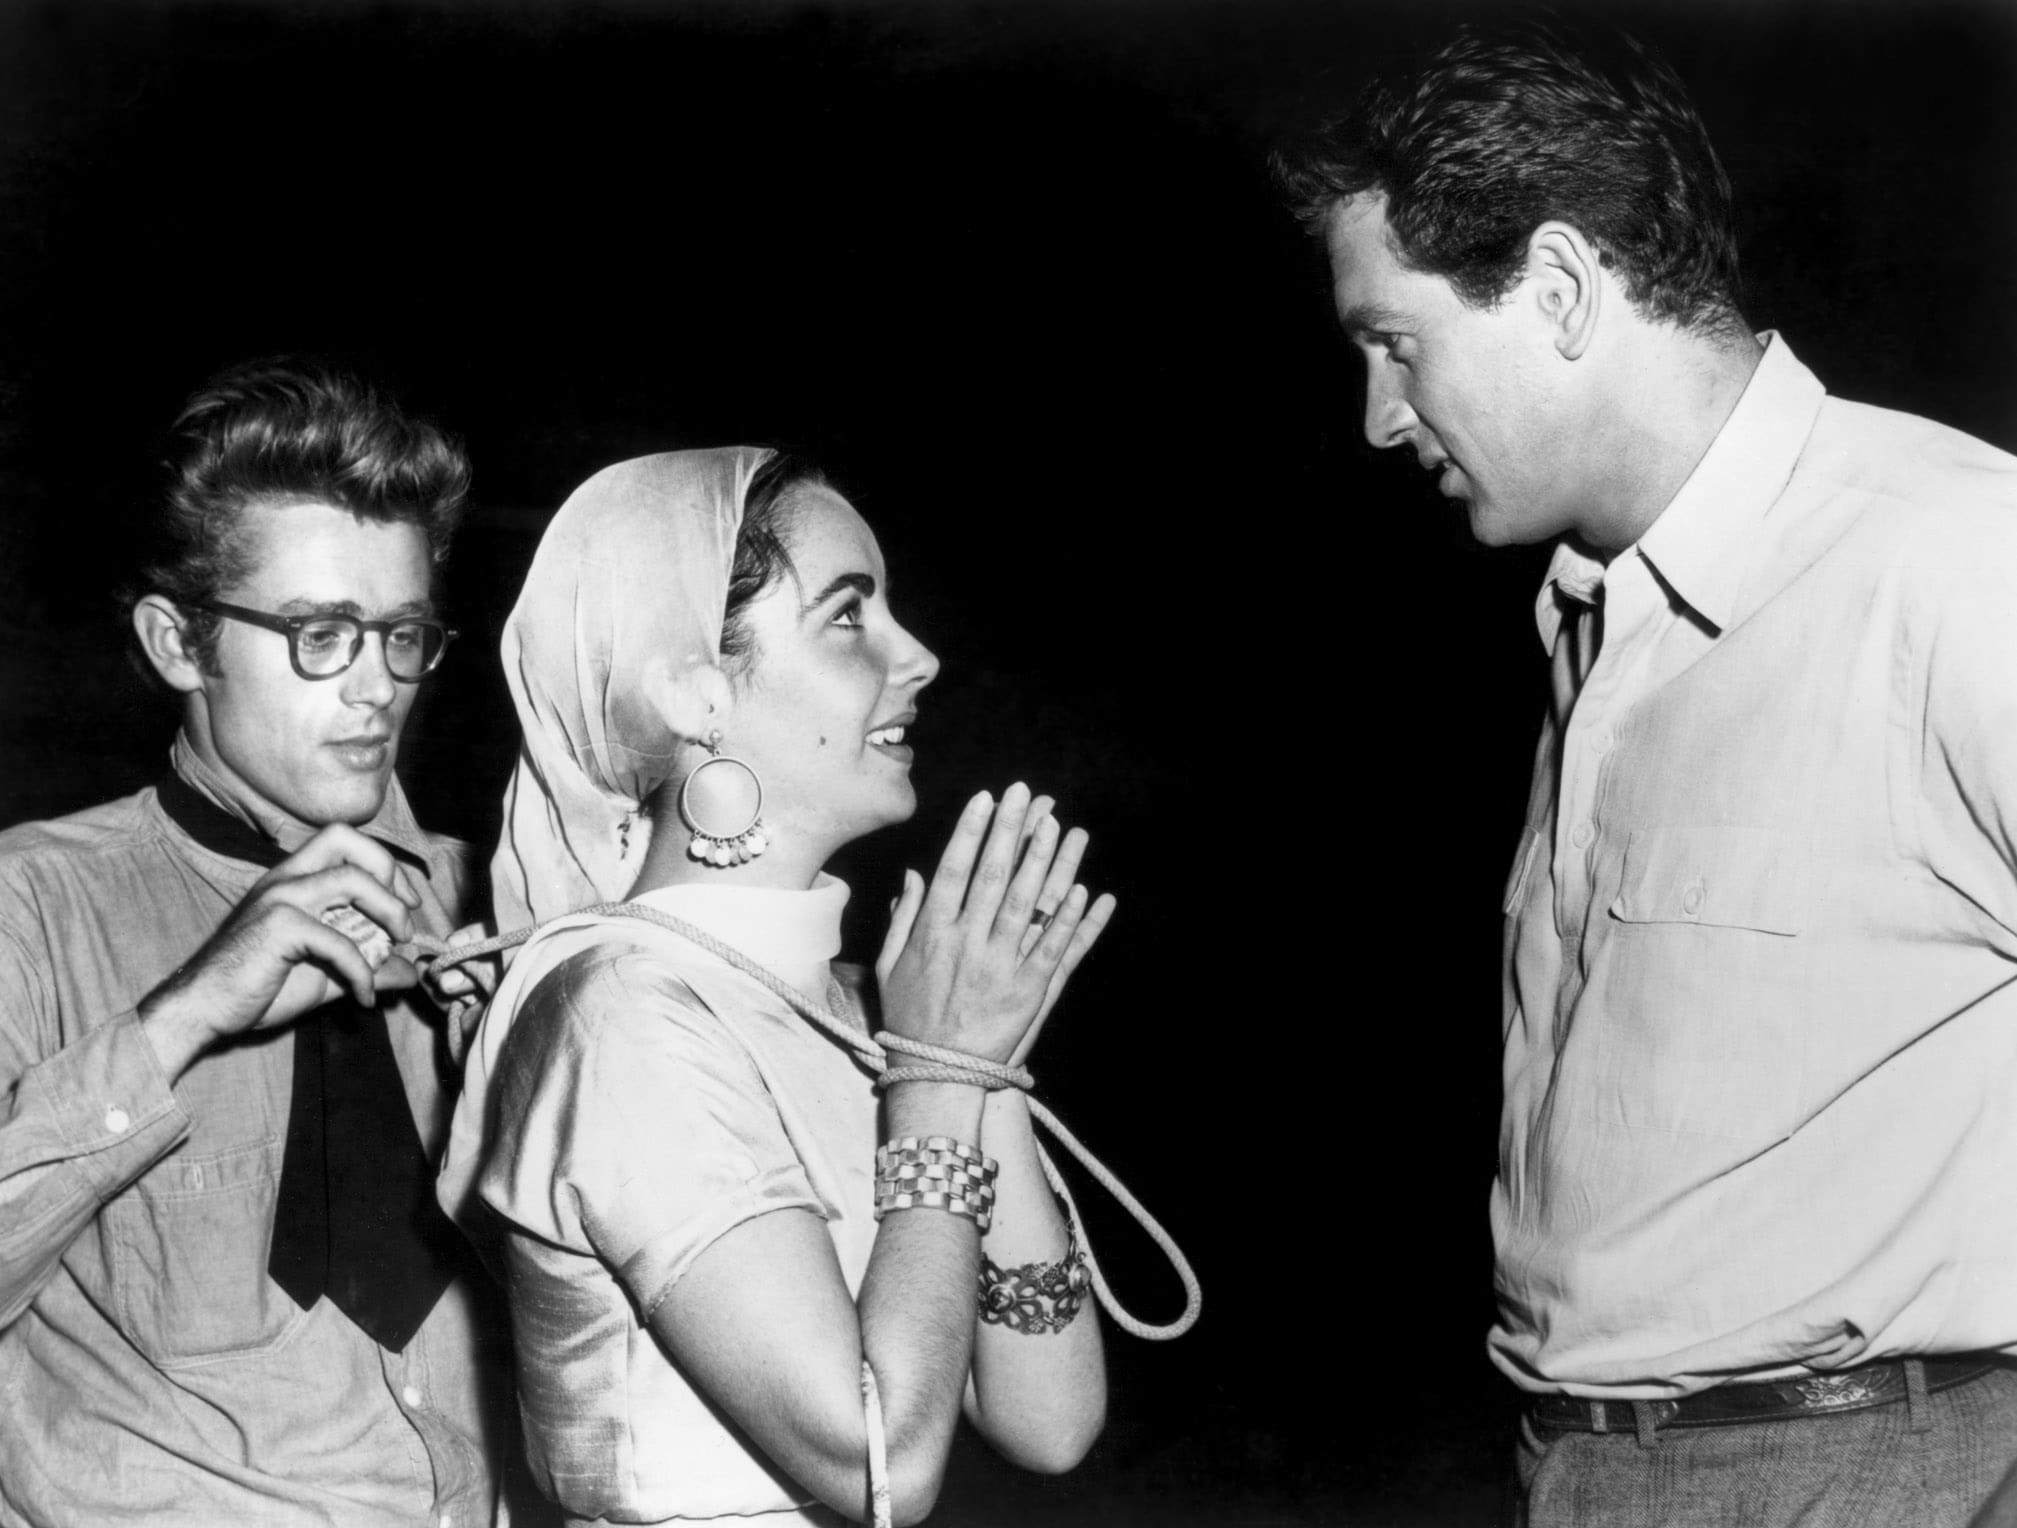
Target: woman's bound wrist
912,1060
934,1108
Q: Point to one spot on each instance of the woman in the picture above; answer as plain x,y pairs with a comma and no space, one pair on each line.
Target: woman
683,1170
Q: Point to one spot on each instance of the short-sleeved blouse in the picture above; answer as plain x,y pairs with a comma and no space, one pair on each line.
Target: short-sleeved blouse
630,1098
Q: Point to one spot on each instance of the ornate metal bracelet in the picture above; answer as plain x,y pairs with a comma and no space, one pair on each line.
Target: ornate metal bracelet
1036,1298
934,1172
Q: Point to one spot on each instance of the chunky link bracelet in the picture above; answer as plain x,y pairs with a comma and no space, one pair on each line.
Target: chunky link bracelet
1036,1298
934,1172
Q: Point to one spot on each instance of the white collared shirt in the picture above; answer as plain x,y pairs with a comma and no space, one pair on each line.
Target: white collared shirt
1760,1034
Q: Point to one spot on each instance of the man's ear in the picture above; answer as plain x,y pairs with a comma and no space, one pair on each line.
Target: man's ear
1569,284
158,624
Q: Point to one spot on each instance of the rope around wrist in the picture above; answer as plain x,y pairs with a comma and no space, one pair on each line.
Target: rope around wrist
947,1065
428,952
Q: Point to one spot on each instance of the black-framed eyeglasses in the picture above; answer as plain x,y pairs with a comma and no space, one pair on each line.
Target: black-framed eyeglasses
323,646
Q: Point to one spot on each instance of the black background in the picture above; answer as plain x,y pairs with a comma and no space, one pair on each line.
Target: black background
1016,274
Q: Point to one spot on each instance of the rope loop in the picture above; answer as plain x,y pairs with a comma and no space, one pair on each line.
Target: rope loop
945,1065
938,1064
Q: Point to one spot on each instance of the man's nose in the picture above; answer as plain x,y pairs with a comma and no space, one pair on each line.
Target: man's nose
368,681
1388,417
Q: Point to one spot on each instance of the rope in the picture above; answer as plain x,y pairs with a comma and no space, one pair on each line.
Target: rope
941,1064
878,1449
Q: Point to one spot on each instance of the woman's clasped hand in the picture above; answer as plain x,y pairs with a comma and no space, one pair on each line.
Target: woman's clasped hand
975,961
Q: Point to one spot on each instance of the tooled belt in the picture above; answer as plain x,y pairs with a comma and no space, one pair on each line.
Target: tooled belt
1857,1389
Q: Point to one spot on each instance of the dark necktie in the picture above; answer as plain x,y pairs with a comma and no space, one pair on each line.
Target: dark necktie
356,1217
1574,655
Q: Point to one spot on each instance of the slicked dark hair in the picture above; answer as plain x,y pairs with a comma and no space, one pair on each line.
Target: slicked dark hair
278,431
1509,127
761,558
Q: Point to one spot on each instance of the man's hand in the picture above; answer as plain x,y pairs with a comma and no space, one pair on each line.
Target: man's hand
278,955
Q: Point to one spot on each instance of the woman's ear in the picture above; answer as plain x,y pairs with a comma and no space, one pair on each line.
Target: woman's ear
158,624
689,702
1569,286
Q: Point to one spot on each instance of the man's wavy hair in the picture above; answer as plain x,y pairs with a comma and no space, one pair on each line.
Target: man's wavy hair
278,431
1506,128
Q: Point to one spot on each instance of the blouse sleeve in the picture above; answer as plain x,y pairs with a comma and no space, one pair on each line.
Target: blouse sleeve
631,1124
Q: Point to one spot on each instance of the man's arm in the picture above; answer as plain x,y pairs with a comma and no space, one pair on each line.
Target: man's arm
76,1126
79,1123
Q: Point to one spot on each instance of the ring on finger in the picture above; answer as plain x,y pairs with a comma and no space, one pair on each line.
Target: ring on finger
1040,920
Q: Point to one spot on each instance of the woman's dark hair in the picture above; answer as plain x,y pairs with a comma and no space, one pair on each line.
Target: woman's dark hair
760,555
278,430
1507,128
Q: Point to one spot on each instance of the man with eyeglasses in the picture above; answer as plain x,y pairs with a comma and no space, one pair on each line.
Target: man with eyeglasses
226,1295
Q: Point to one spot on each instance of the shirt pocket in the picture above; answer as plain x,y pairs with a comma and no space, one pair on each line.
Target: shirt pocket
1739,878
190,1243
1700,1004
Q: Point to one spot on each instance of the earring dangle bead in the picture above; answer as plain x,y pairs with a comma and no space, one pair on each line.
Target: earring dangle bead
721,803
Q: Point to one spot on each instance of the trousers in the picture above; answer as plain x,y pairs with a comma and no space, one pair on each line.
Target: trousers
1931,1463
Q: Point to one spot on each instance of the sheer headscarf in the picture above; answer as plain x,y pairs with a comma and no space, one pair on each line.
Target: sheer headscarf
613,655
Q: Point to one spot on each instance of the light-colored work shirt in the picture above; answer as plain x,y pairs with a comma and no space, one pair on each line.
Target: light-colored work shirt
150,1371
629,1099
1760,1029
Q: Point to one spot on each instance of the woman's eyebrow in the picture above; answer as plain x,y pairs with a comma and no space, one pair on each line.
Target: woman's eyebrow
865,582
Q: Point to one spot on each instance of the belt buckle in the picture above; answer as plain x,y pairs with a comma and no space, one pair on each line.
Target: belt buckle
1831,1392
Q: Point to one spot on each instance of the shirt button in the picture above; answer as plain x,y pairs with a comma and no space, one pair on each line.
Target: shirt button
1600,740
117,1120
1692,901
1582,836
410,1395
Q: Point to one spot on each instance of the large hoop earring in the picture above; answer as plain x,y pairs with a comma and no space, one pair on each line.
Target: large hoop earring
723,813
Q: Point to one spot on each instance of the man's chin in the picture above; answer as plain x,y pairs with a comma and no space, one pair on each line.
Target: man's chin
1487,529
354,800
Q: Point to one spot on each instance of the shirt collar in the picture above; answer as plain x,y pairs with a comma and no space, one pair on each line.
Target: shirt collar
792,934
1698,546
393,826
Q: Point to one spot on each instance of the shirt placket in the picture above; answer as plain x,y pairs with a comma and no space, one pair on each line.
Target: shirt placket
1589,741
455,1468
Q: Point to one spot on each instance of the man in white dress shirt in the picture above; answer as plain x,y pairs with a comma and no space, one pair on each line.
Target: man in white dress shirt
1756,1207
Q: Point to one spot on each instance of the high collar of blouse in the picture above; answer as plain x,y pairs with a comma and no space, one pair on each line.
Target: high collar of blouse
793,934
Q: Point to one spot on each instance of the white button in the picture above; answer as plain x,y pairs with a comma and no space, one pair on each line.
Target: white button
117,1120
1692,902
410,1395
1582,836
1601,740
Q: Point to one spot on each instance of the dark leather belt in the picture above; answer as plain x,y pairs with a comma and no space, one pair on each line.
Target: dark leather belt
1858,1389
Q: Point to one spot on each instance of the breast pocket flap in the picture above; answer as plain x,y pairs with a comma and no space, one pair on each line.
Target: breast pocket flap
1725,877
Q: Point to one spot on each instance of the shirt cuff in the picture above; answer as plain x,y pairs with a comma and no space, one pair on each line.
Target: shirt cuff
109,1101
